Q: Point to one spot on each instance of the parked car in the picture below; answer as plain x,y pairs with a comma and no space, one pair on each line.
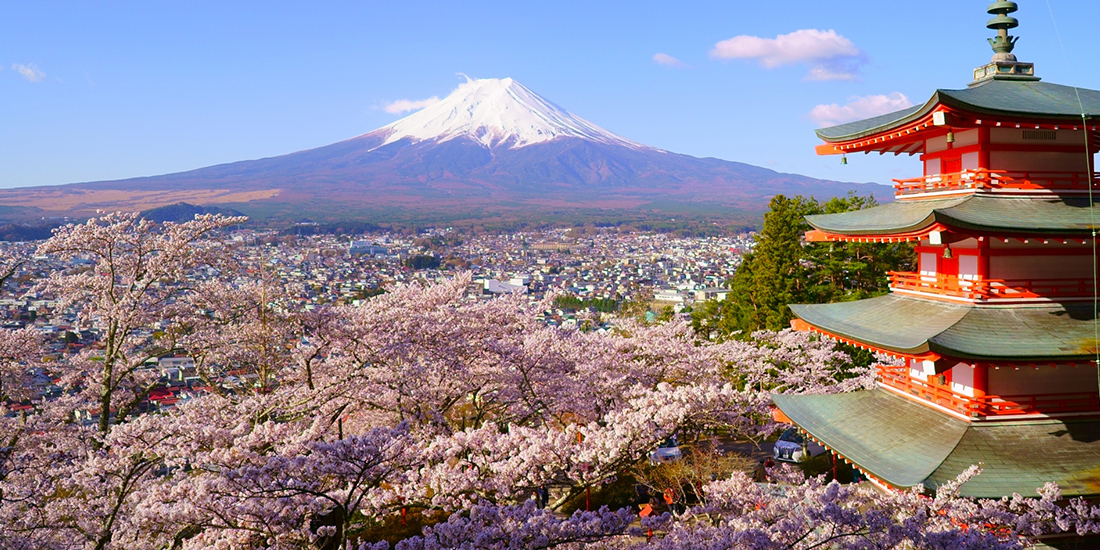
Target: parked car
792,447
669,451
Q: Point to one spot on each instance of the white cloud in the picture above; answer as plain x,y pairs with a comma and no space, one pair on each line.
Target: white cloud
668,61
30,71
405,105
829,55
859,108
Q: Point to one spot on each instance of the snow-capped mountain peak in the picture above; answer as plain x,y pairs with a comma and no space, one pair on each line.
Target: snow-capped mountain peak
497,112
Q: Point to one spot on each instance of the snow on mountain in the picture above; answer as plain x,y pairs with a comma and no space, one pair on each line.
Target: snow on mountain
497,112
491,148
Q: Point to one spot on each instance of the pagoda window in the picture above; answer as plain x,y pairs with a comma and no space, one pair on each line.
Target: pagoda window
928,368
932,167
916,368
962,379
928,263
968,266
970,161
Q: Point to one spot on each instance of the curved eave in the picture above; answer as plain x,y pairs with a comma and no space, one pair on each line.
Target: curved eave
889,121
894,439
895,218
903,443
982,214
920,327
887,323
898,120
919,228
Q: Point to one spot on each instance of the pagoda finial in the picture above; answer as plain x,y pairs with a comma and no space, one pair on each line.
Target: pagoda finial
1003,66
1003,43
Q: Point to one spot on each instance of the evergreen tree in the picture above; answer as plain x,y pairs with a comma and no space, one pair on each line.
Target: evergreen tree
782,269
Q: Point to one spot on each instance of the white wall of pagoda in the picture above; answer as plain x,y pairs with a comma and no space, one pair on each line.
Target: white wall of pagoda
1040,267
1008,149
1027,136
1013,260
1008,381
1033,161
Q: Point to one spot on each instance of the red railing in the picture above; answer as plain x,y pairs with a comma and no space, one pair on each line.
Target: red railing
898,377
1050,403
983,179
947,285
990,289
989,405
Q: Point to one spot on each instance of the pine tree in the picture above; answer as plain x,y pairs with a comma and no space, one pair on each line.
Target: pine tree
782,269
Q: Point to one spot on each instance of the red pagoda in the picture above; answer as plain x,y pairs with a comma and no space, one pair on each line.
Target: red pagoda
997,329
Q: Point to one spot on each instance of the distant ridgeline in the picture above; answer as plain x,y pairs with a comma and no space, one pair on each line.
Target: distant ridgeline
347,227
182,212
15,233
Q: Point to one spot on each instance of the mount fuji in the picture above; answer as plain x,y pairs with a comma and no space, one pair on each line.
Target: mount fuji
492,147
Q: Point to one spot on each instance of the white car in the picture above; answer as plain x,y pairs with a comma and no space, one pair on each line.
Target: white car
669,451
792,447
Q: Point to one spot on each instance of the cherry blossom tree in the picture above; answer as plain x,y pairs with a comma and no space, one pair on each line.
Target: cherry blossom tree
138,274
419,399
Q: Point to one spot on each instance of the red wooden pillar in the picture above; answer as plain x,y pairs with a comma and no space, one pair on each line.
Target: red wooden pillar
981,389
983,148
983,257
981,380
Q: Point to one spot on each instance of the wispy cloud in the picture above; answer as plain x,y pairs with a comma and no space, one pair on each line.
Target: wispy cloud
668,61
829,55
859,108
405,105
30,71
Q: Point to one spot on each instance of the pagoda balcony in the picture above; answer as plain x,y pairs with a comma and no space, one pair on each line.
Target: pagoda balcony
977,289
1048,404
983,180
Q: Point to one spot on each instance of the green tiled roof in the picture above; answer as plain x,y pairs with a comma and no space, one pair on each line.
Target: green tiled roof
1022,456
906,444
1039,99
996,97
895,439
913,325
1029,216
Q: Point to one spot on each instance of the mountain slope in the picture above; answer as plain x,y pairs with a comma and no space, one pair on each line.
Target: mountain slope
491,144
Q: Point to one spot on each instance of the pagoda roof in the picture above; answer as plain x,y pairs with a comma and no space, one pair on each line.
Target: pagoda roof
905,444
975,212
1008,98
916,326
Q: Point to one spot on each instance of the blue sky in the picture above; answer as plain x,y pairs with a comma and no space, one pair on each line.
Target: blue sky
107,90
